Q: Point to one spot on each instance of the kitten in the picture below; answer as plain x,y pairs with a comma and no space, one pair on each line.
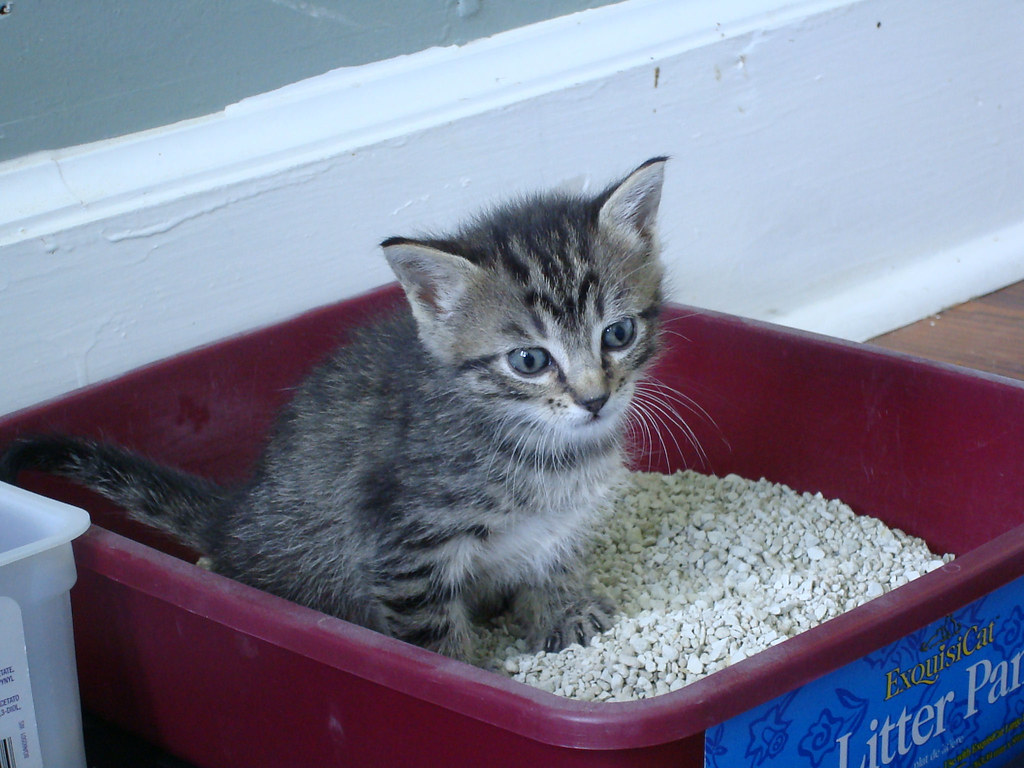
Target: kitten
451,460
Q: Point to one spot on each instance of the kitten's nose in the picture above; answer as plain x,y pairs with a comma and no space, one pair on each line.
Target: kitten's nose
594,404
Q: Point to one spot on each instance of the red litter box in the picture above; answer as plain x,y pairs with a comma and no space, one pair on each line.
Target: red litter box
224,675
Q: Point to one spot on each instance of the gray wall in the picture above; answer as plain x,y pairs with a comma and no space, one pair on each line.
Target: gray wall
73,72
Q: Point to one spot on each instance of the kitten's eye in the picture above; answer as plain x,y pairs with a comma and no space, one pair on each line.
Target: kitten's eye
619,334
529,361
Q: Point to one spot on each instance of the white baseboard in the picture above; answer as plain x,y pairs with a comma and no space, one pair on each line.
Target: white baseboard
828,157
905,292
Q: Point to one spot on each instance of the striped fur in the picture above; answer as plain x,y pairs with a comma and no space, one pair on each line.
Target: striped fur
452,459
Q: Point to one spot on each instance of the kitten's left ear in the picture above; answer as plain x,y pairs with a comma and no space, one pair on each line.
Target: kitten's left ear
632,206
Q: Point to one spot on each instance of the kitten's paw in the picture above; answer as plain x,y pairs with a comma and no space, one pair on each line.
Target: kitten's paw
579,624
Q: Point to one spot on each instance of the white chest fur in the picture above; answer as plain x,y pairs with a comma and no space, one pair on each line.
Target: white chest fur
529,543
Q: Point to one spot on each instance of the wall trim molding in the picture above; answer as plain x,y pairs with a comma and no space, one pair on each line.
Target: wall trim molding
355,107
843,167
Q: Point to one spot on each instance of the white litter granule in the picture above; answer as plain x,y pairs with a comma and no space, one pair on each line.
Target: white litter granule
707,571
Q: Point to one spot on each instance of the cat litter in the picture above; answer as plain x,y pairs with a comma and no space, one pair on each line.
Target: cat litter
707,571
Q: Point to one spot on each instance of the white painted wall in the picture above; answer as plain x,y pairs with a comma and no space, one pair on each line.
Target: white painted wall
845,167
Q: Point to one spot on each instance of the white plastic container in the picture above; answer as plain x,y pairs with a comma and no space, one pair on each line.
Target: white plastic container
40,713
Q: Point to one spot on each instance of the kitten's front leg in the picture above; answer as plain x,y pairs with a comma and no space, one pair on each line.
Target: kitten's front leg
561,611
436,621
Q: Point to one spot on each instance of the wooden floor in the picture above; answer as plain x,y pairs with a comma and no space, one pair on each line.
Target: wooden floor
986,333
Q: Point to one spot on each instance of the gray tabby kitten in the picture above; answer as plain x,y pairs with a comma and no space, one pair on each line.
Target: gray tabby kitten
450,461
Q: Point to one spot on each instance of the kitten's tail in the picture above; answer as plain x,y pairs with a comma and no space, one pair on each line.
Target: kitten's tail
165,498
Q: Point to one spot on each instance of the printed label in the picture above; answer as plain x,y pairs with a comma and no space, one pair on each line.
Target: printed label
947,696
19,740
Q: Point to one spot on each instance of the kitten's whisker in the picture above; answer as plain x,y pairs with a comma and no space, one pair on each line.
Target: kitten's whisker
663,407
669,332
679,318
659,432
658,418
657,403
637,424
672,394
653,427
639,420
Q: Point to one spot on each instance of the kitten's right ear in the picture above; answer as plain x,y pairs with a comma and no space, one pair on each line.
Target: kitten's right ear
434,280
